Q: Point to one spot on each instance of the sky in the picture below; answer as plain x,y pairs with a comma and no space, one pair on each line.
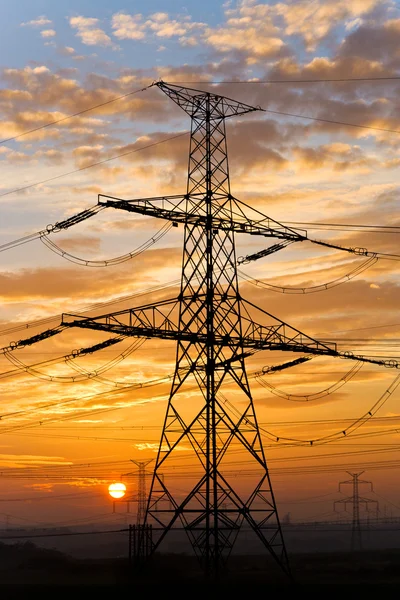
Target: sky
65,435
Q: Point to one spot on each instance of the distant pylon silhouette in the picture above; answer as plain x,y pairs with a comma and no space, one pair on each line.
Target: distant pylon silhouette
141,497
355,500
141,494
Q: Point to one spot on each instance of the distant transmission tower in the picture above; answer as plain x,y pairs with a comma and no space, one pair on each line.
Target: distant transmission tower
355,500
141,495
215,330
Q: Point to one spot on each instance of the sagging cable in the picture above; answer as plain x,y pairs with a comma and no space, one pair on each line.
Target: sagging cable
65,224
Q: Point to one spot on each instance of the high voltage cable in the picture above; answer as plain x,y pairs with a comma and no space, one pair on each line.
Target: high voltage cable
375,448
91,307
89,462
86,438
354,436
72,468
311,289
78,436
152,427
272,436
11,428
81,112
297,470
344,226
146,291
349,228
330,121
100,162
186,133
174,469
111,261
385,499
63,534
265,81
53,497
270,81
260,378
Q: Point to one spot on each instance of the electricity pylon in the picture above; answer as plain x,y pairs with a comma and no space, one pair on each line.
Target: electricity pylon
215,332
355,500
141,495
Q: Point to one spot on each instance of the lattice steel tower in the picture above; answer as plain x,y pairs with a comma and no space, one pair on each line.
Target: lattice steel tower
215,331
355,500
141,495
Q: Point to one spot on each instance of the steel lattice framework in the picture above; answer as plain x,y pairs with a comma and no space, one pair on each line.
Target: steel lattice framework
355,500
215,332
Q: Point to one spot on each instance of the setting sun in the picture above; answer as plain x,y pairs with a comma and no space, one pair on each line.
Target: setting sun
117,490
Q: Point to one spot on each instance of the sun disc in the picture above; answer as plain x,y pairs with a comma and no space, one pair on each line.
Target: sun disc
117,490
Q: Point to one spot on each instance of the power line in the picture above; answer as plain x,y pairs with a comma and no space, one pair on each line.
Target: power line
344,225
266,81
331,121
350,228
52,497
185,133
270,81
100,162
154,427
81,112
65,533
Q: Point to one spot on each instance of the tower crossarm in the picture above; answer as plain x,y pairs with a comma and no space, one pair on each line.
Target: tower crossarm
149,321
194,102
188,209
159,321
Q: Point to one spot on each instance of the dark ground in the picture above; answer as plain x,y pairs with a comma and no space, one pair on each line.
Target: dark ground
27,570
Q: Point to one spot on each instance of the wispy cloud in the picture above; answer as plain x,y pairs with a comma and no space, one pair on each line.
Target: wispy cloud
39,22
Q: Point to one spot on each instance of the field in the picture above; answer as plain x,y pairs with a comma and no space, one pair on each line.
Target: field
25,567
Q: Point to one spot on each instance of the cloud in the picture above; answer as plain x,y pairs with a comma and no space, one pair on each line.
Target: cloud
22,460
128,26
66,50
155,447
314,20
163,26
89,32
48,33
249,29
337,156
69,282
375,42
39,22
136,27
80,243
254,41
